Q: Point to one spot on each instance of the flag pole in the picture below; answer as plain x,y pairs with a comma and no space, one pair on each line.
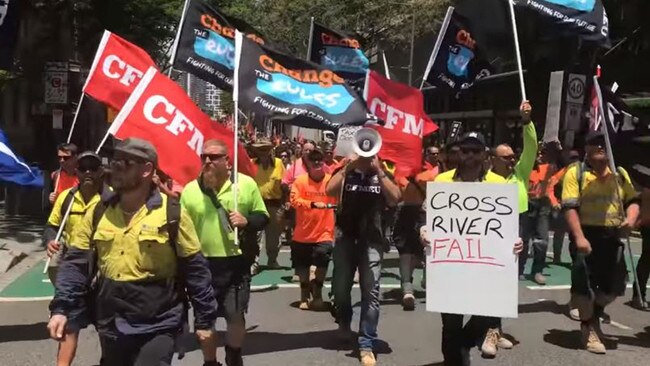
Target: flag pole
612,166
311,39
76,115
383,55
517,50
59,233
178,36
100,48
239,39
436,47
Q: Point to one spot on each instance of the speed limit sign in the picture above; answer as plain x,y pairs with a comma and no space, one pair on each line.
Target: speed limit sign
576,88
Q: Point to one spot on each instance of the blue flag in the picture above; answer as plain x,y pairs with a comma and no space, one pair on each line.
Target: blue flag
14,170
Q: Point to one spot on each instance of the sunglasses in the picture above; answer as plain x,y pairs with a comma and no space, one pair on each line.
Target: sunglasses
124,163
213,157
84,168
508,157
471,149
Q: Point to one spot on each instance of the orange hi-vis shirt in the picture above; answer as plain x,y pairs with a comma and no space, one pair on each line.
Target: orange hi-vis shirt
411,194
65,181
539,182
313,225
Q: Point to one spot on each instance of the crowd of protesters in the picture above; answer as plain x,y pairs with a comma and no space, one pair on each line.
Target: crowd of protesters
134,254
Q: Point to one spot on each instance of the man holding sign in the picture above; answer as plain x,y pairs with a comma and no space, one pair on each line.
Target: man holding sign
475,242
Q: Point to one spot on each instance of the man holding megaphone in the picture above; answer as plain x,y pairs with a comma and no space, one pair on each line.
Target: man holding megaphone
364,189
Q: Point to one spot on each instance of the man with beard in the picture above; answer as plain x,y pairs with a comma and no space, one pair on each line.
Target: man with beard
600,208
456,338
366,190
79,199
143,249
210,201
314,232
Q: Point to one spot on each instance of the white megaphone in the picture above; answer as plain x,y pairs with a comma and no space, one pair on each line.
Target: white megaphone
367,142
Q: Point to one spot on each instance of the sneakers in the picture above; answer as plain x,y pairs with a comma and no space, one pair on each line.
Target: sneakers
211,363
489,346
540,279
639,303
304,305
408,302
504,343
591,340
367,358
574,314
522,277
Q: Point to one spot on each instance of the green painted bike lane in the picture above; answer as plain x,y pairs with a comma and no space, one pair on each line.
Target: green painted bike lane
35,285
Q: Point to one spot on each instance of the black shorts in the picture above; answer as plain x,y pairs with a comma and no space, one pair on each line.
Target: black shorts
231,281
603,270
406,235
305,255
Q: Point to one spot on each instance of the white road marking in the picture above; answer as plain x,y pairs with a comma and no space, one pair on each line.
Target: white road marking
24,299
561,287
619,325
46,280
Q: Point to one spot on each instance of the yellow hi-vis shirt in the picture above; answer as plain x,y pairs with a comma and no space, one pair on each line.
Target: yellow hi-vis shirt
77,212
269,180
597,200
215,240
140,249
489,177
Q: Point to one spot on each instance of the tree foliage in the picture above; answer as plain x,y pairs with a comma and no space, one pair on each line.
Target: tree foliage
378,22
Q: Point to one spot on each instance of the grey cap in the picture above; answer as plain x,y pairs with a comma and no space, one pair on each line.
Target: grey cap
89,155
138,148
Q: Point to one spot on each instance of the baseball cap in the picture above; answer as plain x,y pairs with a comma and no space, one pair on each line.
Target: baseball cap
594,137
89,155
138,148
475,138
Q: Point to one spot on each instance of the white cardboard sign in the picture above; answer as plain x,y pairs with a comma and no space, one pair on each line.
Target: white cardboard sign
471,268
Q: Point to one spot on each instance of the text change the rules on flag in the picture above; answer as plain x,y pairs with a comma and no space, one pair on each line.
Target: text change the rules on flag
294,91
206,46
338,51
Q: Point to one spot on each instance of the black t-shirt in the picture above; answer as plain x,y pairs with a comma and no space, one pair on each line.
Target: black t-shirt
360,214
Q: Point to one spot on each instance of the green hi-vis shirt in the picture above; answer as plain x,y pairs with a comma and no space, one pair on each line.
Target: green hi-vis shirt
215,240
525,165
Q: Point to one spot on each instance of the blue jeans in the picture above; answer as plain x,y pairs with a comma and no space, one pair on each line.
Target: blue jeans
535,227
349,254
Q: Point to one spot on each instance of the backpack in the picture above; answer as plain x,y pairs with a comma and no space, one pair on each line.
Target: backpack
580,171
67,201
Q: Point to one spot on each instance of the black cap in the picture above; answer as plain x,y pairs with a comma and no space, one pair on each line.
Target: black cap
475,138
90,155
138,148
315,155
594,137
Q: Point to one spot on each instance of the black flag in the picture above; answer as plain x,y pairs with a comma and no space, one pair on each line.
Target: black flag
8,32
294,91
206,44
459,61
584,18
338,51
629,136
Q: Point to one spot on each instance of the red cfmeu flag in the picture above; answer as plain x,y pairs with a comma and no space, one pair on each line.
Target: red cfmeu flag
117,69
402,109
160,112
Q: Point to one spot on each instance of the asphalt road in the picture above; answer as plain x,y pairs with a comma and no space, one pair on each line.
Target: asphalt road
283,335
